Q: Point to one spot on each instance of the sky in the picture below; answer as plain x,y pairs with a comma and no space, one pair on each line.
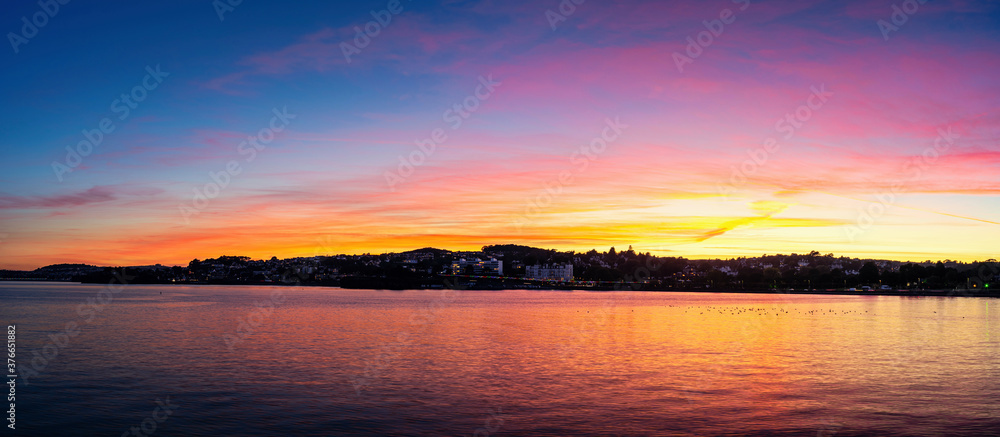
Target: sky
152,132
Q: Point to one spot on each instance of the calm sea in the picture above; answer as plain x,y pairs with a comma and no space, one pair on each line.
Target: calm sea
221,360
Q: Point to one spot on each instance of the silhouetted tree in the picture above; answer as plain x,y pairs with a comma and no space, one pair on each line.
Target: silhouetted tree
717,278
771,276
868,273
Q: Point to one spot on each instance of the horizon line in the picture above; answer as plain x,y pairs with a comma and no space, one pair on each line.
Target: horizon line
652,252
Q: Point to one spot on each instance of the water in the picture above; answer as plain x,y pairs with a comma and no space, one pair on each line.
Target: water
316,361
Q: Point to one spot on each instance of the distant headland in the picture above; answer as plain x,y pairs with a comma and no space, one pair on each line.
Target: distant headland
523,267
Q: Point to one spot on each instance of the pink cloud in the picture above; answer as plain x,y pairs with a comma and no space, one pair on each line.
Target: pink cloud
91,196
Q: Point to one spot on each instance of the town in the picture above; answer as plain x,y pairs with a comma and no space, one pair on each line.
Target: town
523,267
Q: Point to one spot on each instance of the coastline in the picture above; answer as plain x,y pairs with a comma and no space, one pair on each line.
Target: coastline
567,287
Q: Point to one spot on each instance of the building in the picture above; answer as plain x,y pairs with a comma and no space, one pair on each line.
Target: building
727,270
556,272
489,267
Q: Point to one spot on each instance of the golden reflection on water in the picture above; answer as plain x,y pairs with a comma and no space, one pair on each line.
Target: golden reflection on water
562,362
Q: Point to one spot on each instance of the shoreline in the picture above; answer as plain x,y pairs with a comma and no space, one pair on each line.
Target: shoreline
823,292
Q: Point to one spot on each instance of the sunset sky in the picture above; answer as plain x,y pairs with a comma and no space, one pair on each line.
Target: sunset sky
884,141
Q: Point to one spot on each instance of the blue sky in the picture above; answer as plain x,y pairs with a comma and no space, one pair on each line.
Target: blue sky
325,177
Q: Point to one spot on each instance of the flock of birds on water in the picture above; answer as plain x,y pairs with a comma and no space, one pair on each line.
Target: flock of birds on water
762,311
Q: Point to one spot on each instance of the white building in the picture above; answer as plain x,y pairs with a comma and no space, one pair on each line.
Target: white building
727,270
558,272
492,266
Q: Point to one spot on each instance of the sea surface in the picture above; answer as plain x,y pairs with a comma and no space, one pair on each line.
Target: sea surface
275,361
